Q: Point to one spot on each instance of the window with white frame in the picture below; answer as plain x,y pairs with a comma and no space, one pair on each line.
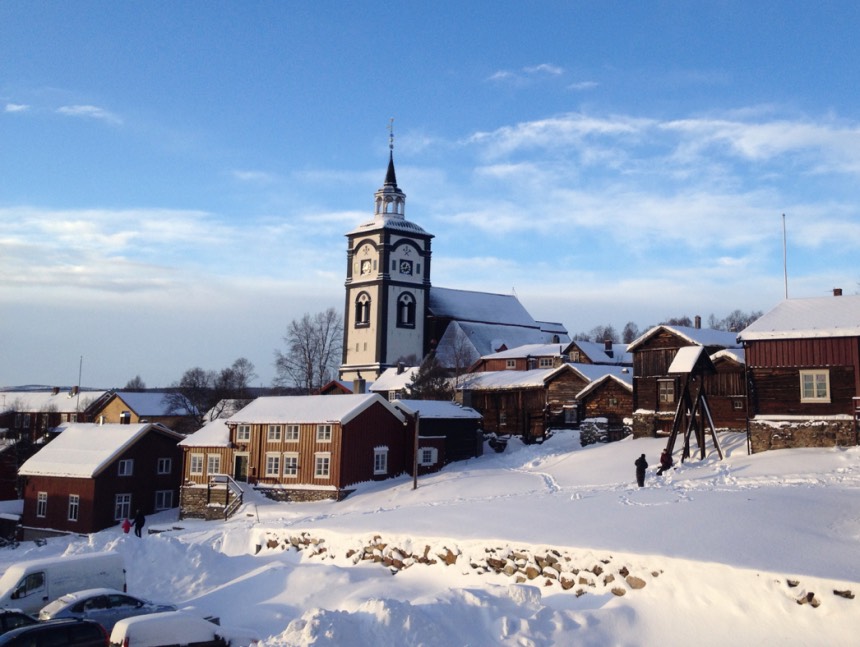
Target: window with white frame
74,507
815,386
243,433
666,391
163,499
165,466
427,456
121,507
126,467
213,464
510,363
545,362
41,504
291,465
292,433
273,434
196,464
380,460
503,418
322,465
323,433
273,465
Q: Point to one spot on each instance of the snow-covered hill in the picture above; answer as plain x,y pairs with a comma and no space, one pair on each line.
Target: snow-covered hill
547,544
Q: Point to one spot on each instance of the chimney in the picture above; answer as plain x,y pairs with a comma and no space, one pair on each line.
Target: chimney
74,391
697,322
359,385
607,347
837,292
55,390
400,368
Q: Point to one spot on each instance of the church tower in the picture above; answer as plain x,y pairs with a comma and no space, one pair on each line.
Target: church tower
387,286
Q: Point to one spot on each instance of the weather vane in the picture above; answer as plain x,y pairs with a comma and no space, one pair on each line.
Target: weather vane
391,134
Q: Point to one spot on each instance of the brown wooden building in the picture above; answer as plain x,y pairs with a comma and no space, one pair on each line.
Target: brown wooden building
28,416
93,476
132,407
609,398
803,370
302,447
655,390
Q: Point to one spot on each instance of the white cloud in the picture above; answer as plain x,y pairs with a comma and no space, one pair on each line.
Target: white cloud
544,68
16,107
254,177
526,74
90,112
583,85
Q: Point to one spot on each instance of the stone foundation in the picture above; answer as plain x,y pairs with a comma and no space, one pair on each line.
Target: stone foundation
783,434
201,502
651,424
298,495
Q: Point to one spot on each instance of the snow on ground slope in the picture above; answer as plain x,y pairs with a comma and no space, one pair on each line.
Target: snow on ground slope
725,550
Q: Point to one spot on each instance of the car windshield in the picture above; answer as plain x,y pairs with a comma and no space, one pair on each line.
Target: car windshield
56,605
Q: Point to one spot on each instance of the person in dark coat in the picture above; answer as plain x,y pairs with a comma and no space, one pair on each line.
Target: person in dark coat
666,462
139,520
641,465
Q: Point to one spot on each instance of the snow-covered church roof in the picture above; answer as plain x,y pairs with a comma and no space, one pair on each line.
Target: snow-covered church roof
836,316
480,307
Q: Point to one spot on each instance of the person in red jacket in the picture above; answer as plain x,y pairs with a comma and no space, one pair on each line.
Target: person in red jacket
666,462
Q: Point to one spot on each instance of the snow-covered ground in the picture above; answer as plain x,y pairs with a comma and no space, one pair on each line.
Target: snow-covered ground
726,550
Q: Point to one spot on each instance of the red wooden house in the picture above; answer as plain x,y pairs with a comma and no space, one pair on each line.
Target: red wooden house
803,370
91,477
655,390
302,447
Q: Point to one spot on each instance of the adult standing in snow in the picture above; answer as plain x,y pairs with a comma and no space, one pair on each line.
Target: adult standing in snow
665,462
139,520
641,465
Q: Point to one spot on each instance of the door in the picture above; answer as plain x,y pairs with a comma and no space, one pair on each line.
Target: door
240,467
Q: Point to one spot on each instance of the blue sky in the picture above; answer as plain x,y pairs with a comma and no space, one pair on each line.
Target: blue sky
176,179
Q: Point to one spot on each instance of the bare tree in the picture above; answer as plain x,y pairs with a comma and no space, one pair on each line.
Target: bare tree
313,351
194,394
737,320
600,334
135,384
679,321
630,332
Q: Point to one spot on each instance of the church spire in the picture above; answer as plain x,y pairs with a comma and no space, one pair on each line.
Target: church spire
390,201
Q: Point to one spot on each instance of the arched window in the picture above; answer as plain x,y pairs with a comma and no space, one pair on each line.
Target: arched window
406,310
362,310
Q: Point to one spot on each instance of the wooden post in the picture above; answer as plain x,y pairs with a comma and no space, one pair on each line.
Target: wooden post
415,455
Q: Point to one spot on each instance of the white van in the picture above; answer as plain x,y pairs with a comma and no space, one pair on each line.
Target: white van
177,629
31,585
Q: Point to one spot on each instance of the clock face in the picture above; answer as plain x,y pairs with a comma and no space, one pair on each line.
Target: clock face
365,267
406,267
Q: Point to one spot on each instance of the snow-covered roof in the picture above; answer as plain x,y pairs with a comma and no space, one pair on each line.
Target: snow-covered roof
528,350
436,409
493,380
594,384
214,433
685,360
393,380
698,336
807,318
225,408
484,339
149,403
480,307
735,354
39,401
83,450
555,328
596,352
299,409
593,372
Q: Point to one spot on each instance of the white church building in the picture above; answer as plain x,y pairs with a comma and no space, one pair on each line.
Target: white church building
392,312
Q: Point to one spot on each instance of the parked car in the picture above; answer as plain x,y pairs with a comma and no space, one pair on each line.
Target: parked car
178,629
30,585
67,632
105,606
14,618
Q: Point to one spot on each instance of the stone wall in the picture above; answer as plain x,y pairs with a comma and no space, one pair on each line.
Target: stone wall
298,495
203,502
782,434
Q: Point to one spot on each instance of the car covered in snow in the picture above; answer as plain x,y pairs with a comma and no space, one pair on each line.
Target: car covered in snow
178,628
105,606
